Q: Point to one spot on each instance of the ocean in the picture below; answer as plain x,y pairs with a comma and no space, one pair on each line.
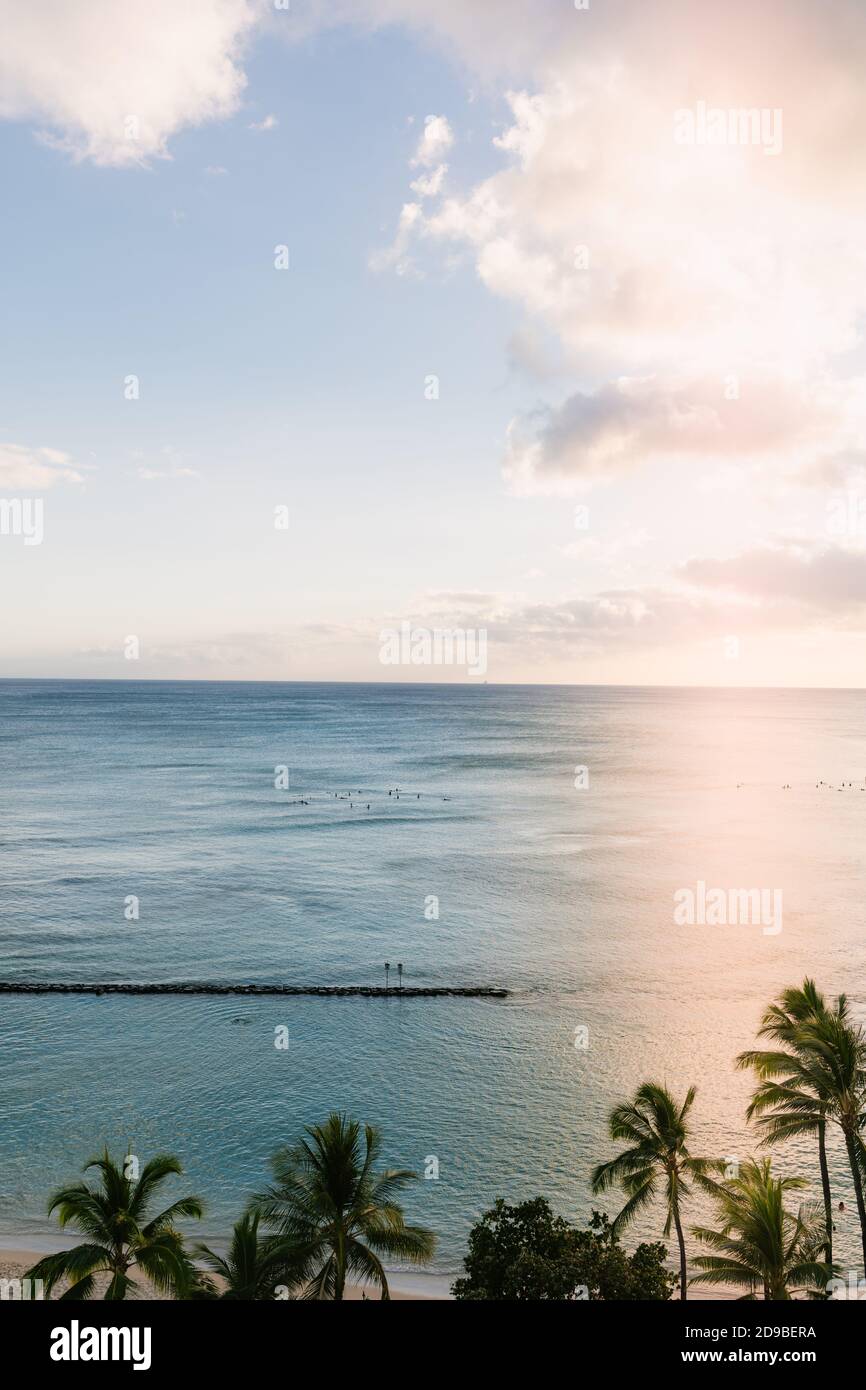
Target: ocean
528,837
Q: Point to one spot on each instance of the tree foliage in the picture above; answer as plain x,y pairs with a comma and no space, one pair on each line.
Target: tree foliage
528,1252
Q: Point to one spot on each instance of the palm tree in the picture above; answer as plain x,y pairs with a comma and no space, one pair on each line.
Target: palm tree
798,1104
252,1268
654,1125
840,1049
822,1078
334,1213
113,1215
760,1244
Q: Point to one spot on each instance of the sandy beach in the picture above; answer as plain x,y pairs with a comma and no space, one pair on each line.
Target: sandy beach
405,1287
15,1263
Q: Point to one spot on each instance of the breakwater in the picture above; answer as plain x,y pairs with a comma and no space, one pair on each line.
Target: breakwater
326,991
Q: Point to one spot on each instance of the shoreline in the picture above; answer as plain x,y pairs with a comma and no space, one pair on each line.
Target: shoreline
412,1286
406,1286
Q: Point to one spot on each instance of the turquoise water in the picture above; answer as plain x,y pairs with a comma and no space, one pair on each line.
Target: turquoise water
165,792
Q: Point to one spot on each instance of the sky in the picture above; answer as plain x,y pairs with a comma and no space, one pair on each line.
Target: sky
538,321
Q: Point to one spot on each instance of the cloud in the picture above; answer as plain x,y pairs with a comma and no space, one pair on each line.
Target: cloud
639,254
605,625
113,83
396,255
788,589
629,246
608,626
171,466
269,123
595,434
452,603
609,548
637,420
529,351
23,469
430,185
617,617
844,468
833,579
149,475
437,137
436,140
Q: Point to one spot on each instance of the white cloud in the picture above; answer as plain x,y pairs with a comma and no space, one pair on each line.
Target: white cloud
169,466
112,83
436,140
23,469
437,137
639,255
430,185
395,256
628,246
269,123
149,475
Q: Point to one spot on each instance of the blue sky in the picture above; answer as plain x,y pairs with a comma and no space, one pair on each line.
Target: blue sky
306,387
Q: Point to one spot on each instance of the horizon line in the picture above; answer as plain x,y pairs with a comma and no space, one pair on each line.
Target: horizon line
423,685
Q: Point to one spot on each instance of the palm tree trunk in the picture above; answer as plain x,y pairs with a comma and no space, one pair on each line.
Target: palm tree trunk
682,1245
858,1188
825,1188
340,1278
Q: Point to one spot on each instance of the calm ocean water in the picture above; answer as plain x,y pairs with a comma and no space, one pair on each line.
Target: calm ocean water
564,895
